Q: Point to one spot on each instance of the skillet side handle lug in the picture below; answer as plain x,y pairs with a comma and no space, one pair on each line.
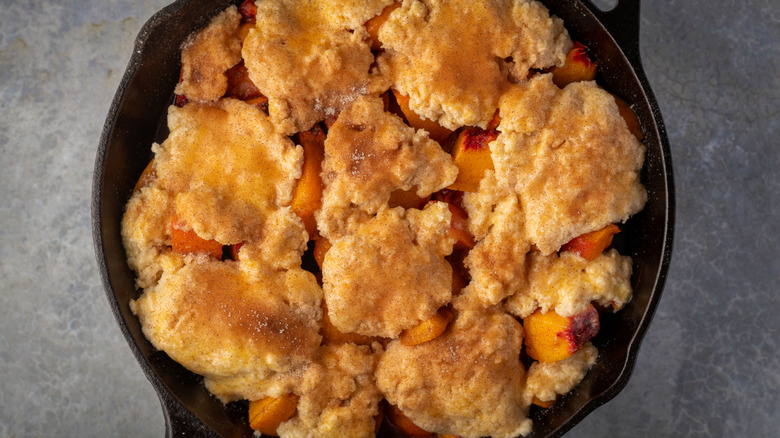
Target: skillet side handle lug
622,22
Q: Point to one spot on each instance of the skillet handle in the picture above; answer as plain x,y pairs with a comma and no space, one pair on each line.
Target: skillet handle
622,22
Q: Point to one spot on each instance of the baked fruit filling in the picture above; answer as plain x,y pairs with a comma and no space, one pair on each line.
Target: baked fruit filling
386,212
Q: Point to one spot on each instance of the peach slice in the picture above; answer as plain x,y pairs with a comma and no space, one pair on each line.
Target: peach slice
402,422
147,176
373,25
186,241
435,130
542,404
577,67
459,228
308,193
630,117
590,245
239,85
471,154
267,414
248,11
429,329
550,337
407,199
321,247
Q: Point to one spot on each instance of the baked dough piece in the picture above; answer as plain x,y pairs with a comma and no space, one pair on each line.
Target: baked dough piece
207,55
208,316
369,153
452,57
577,173
467,382
546,380
311,58
389,274
497,262
568,283
338,396
146,232
227,168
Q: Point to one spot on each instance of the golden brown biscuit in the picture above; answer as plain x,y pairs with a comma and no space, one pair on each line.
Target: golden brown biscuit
389,274
227,167
548,380
310,59
338,396
207,55
569,283
467,382
369,153
577,173
210,318
454,58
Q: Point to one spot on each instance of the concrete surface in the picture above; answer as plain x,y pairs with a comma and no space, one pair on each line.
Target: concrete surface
709,366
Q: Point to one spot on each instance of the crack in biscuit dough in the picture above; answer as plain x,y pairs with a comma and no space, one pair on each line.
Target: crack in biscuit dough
389,274
369,153
207,55
227,167
454,58
311,58
467,382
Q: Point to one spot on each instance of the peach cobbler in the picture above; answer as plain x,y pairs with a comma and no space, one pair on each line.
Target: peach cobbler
379,210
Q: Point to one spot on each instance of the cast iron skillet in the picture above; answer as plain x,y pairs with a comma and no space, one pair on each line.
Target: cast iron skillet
137,118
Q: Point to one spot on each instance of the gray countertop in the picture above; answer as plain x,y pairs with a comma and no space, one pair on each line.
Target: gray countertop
709,365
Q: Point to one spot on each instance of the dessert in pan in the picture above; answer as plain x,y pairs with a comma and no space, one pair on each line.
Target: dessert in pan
457,175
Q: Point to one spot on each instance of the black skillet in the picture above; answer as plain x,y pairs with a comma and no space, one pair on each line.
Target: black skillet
137,118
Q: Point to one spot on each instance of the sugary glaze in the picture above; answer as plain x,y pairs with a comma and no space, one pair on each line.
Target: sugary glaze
564,164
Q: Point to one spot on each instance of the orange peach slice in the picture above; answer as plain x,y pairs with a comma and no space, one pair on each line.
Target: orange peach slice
630,117
459,229
267,414
542,404
308,193
321,247
186,241
435,130
550,337
239,85
590,245
429,329
406,199
471,154
577,67
373,25
147,176
401,421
